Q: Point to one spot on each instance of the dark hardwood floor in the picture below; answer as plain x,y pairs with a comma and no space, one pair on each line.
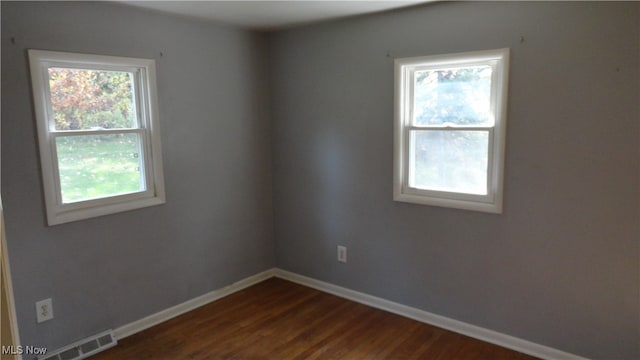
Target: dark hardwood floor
277,319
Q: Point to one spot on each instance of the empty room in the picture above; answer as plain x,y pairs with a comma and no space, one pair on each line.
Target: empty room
320,180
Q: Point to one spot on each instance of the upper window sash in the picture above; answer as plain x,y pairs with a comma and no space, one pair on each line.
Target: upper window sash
409,91
140,93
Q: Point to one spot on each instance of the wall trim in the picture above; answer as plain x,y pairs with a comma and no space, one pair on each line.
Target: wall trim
167,314
476,332
7,283
490,336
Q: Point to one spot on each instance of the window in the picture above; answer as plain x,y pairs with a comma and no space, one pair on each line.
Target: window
450,122
98,132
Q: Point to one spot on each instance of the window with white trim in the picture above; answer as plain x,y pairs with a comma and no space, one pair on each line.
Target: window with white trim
450,124
98,133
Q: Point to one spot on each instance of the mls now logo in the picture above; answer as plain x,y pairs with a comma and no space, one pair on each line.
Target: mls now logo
23,350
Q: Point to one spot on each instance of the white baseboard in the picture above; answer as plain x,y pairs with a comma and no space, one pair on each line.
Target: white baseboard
460,327
490,336
164,315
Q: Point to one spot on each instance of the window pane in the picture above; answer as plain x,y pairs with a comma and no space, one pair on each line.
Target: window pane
456,96
445,160
97,166
92,99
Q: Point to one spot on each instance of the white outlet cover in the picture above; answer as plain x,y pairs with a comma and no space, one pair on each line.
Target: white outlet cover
342,254
44,310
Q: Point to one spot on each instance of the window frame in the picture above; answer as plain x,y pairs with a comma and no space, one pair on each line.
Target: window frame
404,69
148,131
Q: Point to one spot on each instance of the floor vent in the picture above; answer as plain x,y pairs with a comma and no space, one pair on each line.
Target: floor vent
83,348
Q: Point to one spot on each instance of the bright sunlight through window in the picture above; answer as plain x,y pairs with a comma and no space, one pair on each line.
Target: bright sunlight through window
450,121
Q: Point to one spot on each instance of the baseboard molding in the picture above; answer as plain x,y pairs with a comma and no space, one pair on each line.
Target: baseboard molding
164,315
460,327
490,336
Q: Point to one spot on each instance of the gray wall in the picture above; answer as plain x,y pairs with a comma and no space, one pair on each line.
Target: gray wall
216,226
560,266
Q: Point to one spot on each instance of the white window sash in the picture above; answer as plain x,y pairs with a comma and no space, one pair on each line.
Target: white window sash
409,150
145,155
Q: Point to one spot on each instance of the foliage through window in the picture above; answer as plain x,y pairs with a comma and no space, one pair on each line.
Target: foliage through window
98,132
95,166
450,124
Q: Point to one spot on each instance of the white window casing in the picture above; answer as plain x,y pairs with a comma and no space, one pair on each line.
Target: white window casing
145,130
487,196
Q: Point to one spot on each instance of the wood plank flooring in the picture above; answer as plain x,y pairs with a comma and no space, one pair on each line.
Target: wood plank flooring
277,319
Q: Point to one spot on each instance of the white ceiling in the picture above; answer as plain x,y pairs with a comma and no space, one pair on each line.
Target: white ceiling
272,15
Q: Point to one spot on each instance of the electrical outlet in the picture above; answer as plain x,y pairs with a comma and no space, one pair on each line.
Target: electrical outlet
342,253
44,310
